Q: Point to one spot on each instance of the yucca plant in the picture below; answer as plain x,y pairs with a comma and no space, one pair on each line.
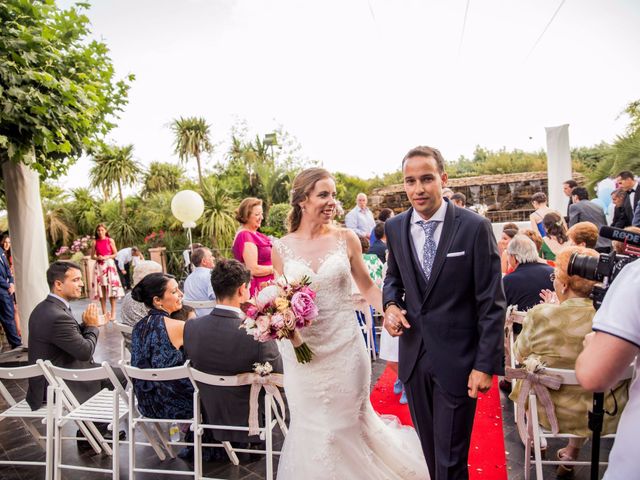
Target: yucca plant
219,224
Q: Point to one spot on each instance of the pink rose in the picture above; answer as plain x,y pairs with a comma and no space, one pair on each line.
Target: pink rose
303,307
309,292
277,321
250,310
263,323
289,319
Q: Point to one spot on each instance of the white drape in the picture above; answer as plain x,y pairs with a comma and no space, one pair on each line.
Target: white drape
558,165
28,241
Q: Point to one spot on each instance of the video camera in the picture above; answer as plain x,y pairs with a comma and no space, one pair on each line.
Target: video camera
606,267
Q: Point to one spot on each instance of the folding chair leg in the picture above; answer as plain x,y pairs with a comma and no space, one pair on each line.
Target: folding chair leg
231,453
58,438
283,426
535,429
154,444
35,433
132,444
49,434
268,432
163,440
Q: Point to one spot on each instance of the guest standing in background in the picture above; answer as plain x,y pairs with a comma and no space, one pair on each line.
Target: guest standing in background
105,282
250,246
620,213
5,243
582,210
509,230
7,310
360,219
197,286
383,216
125,259
627,181
567,188
539,202
379,247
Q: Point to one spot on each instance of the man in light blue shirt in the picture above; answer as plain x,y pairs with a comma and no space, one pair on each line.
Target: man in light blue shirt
360,219
197,286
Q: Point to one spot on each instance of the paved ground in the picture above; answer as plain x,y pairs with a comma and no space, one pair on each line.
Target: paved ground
17,444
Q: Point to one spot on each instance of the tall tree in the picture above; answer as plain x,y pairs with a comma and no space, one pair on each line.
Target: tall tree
192,139
115,165
58,92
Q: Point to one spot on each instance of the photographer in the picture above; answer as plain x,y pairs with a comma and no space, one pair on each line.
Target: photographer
607,353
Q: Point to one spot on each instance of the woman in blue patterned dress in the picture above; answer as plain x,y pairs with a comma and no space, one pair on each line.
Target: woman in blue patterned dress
156,342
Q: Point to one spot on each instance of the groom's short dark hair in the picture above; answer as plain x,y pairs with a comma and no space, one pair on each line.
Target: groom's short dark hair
424,151
227,276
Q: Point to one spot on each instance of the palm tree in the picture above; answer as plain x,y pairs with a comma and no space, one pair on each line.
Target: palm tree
219,222
115,165
162,177
191,140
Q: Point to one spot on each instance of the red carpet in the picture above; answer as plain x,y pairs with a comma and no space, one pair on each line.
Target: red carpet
486,458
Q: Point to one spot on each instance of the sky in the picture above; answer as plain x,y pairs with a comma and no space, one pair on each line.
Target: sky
360,82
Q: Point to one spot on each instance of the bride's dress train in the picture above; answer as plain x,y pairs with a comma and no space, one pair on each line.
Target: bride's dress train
334,431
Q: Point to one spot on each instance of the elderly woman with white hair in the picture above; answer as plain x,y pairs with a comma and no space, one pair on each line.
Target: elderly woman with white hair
530,274
131,312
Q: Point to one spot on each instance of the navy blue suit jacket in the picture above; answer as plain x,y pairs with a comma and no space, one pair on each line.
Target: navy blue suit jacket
5,272
458,315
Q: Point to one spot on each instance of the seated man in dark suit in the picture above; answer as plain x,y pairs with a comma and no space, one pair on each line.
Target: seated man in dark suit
55,335
215,344
379,246
522,287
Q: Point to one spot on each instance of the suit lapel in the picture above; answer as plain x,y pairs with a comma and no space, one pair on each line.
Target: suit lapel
449,229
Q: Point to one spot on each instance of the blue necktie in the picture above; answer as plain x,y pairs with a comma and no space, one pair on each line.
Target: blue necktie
429,249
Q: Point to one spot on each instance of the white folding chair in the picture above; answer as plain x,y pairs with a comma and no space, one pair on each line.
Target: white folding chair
123,329
21,410
362,306
537,435
106,406
200,304
154,375
270,410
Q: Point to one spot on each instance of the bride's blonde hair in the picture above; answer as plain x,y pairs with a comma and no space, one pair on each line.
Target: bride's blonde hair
302,185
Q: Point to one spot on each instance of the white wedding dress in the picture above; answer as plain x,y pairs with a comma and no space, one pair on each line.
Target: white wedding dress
334,431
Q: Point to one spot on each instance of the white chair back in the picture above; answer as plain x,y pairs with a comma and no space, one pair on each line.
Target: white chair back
123,329
22,411
200,304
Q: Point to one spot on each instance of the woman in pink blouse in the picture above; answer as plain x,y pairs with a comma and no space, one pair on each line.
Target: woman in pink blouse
250,246
105,282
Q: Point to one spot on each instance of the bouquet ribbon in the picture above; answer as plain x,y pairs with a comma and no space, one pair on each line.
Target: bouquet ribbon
270,383
540,383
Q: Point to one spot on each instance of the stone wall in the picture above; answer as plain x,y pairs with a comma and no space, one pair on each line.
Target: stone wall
507,196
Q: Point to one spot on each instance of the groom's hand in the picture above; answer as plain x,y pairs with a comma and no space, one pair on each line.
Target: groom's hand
395,321
478,381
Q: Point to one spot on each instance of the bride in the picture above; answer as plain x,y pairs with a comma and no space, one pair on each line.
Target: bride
334,431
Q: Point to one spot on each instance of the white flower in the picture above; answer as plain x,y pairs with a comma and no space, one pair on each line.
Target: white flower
267,295
262,369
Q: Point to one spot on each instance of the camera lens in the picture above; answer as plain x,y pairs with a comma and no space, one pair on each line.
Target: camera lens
584,266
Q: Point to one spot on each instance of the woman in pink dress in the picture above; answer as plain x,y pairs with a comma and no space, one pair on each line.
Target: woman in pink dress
250,246
105,282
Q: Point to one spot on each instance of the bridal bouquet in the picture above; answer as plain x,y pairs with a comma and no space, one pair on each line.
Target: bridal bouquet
280,309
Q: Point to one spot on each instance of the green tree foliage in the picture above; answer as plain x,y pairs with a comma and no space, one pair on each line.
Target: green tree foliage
219,224
276,222
162,177
115,166
192,139
58,92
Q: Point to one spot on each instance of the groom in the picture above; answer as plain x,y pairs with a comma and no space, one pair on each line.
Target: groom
443,296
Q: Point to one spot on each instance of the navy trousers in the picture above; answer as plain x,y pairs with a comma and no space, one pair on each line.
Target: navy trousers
7,318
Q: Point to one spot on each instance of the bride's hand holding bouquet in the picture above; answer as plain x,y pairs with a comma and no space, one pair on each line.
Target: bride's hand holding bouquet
280,309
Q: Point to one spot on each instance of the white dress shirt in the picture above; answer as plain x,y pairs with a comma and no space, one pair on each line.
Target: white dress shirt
236,310
417,232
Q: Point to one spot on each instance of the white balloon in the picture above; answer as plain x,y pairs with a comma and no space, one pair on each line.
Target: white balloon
187,206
